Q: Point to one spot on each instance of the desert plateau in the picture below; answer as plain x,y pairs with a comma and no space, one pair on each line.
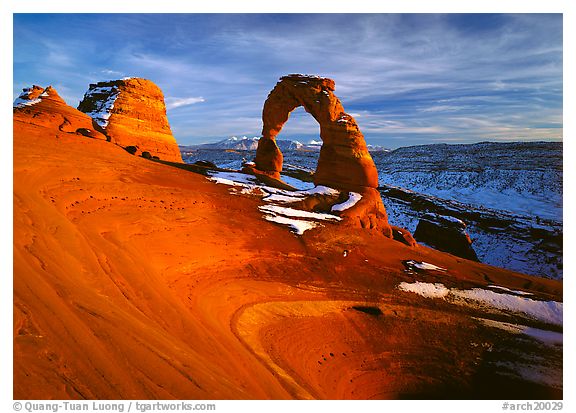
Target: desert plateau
140,276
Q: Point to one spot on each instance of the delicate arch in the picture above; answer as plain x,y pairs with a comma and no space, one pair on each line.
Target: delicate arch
344,160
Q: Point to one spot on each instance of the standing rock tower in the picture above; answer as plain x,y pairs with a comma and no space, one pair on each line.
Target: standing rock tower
132,112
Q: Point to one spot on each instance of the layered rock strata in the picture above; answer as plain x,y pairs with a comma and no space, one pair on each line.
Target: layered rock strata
40,107
132,112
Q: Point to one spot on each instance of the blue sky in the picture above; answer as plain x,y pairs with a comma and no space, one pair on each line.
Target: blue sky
408,79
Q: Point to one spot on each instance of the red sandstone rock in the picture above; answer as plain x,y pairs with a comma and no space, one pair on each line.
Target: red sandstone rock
117,297
403,235
43,107
131,112
344,161
344,158
368,213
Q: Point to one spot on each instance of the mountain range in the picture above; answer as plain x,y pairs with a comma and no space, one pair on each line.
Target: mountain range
251,144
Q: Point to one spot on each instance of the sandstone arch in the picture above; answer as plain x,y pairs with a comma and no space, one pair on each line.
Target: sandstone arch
344,160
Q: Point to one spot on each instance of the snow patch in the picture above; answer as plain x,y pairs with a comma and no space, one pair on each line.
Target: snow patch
233,178
427,290
298,226
518,292
545,336
22,100
447,218
220,180
103,107
546,311
291,212
321,190
353,198
283,199
297,183
299,221
421,265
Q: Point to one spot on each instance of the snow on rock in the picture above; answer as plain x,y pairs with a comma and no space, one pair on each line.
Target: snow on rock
24,99
299,221
421,265
547,337
445,218
283,196
283,199
238,179
297,168
233,178
225,181
474,183
104,107
297,225
427,290
547,311
20,103
321,190
297,183
518,292
353,198
298,213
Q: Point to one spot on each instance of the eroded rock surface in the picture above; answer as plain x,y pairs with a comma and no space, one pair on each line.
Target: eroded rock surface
132,112
344,158
43,108
344,161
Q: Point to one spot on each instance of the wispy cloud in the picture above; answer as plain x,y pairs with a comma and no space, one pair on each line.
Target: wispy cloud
172,103
110,72
410,77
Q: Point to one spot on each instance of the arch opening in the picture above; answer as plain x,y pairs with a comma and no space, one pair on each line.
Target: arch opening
300,128
344,161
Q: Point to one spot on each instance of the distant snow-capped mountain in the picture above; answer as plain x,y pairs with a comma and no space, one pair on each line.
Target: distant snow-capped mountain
240,144
251,144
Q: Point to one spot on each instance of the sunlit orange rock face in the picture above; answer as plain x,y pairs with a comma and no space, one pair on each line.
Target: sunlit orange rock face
344,161
344,158
40,107
137,280
132,112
